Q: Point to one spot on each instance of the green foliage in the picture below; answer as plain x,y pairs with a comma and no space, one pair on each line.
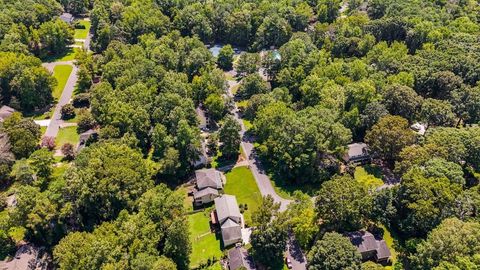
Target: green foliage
229,137
105,179
389,136
343,204
334,252
23,133
25,84
225,57
251,85
138,235
452,243
269,239
67,111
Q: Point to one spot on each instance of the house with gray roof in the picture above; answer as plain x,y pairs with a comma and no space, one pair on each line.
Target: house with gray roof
229,219
238,257
371,247
357,154
209,183
67,17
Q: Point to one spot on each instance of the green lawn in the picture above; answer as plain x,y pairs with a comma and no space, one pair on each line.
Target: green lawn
82,33
69,55
369,175
205,245
67,135
43,130
240,182
389,240
61,73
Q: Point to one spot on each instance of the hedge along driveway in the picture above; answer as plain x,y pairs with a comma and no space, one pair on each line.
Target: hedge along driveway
61,73
240,182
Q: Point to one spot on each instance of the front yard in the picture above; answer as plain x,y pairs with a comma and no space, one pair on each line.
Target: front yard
240,182
61,73
82,33
67,135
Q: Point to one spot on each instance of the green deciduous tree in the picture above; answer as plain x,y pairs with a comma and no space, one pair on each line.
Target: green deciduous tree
389,136
451,244
229,137
334,252
225,57
343,204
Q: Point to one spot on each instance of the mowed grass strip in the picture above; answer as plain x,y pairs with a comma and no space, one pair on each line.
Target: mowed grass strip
61,73
205,245
240,182
67,135
82,33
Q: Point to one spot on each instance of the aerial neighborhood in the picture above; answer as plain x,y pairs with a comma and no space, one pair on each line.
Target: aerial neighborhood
240,135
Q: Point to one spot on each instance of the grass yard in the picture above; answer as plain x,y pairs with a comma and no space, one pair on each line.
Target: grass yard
205,245
69,55
389,240
67,135
240,182
82,33
369,176
61,73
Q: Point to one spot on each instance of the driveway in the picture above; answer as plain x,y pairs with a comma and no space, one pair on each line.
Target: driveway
295,254
261,177
56,121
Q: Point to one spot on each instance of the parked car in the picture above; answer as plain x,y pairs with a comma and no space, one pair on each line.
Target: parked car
288,262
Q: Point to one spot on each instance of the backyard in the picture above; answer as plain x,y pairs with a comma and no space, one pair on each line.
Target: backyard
205,245
240,182
61,73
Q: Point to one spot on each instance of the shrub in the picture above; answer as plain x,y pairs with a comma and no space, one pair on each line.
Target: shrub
85,121
68,151
67,111
48,142
81,100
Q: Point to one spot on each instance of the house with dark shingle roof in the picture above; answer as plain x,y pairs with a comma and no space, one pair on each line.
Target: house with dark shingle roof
238,257
229,219
371,247
357,154
209,182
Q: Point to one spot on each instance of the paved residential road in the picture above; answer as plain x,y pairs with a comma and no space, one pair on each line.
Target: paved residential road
56,120
262,179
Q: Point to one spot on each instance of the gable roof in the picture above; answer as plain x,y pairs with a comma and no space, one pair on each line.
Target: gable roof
366,242
208,178
238,257
231,233
227,207
205,191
